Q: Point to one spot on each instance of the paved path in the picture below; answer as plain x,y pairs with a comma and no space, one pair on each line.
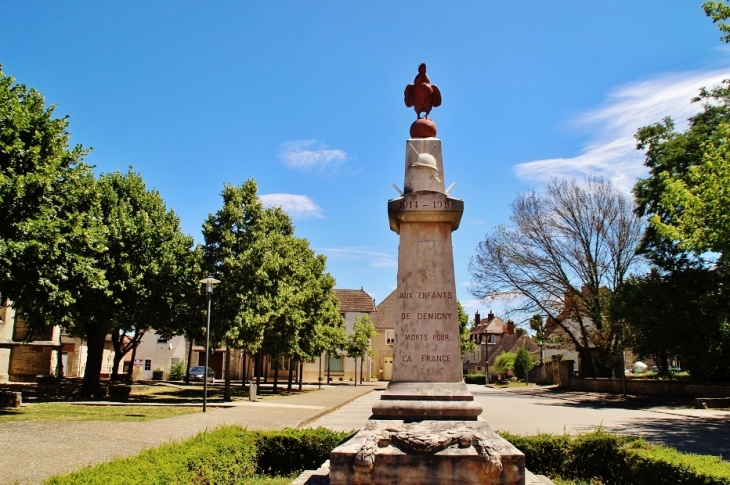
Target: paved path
31,451
704,431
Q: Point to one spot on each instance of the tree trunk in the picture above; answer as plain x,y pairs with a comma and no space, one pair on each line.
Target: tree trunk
258,366
190,357
117,343
291,374
362,363
130,369
265,369
328,369
299,375
355,371
95,338
244,361
227,371
276,374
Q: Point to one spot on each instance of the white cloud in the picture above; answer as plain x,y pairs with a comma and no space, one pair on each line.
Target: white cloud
308,154
372,257
297,206
612,151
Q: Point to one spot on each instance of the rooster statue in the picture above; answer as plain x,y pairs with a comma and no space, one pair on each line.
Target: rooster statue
422,95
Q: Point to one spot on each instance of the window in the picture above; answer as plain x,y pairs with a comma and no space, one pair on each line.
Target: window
174,361
161,340
492,339
148,364
389,337
335,363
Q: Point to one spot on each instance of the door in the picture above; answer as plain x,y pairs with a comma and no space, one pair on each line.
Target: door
387,368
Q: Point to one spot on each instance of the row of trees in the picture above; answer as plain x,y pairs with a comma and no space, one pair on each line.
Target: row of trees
650,273
104,255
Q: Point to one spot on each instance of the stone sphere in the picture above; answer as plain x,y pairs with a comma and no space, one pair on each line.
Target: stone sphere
423,128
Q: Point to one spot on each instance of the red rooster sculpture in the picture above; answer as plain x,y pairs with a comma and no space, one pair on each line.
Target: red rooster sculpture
422,95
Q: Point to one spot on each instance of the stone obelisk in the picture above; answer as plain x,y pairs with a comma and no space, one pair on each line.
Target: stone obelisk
427,373
425,429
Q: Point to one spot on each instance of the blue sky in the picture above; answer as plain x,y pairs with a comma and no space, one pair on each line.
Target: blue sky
307,99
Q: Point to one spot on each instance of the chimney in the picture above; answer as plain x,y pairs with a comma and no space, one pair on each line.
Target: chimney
510,327
477,318
490,317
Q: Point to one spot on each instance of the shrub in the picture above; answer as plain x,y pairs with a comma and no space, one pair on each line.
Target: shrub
544,453
157,374
177,371
601,457
475,379
226,455
292,450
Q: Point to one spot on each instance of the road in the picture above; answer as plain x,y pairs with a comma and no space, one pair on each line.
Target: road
703,431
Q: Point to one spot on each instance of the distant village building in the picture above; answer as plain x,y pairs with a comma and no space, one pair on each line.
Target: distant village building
384,320
494,336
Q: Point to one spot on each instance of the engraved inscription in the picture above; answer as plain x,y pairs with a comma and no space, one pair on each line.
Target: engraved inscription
416,336
433,316
435,358
434,294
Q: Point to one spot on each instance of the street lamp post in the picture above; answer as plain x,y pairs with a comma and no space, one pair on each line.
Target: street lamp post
208,282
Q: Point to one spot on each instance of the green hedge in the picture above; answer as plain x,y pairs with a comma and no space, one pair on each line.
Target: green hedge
226,455
475,379
617,459
291,450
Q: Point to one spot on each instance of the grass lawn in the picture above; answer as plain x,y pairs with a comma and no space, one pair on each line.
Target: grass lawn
70,412
174,393
500,385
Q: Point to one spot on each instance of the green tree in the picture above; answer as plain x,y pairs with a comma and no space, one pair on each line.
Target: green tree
523,363
684,199
466,343
677,313
49,231
505,362
146,263
236,251
566,250
358,342
274,289
719,12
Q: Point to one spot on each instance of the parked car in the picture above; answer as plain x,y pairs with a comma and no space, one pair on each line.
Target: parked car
197,373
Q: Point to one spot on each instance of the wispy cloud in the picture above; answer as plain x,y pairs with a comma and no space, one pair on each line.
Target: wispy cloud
611,153
372,257
297,206
308,154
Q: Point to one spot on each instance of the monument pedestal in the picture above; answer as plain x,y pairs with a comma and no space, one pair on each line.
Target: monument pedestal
429,452
427,400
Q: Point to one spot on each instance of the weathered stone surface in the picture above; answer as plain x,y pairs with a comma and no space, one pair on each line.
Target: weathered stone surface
425,453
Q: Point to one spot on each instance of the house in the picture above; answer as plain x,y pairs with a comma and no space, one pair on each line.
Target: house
485,334
494,336
384,319
24,357
352,304
157,353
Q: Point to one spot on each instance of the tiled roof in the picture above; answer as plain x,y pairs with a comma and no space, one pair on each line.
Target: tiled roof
355,301
496,325
384,316
511,342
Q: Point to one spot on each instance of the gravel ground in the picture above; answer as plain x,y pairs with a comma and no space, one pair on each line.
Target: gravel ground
32,451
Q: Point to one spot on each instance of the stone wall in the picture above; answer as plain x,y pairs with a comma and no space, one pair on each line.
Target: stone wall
26,362
641,387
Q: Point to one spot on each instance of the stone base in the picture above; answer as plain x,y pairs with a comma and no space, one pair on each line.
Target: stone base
427,400
426,453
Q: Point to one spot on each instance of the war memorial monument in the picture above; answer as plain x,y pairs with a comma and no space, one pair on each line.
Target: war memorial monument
426,429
